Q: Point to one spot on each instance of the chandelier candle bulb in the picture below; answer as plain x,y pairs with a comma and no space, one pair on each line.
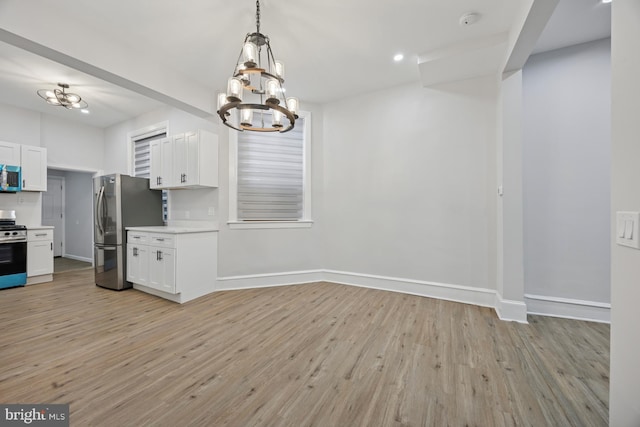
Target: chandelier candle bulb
292,105
222,99
273,87
279,66
246,117
250,52
277,119
234,90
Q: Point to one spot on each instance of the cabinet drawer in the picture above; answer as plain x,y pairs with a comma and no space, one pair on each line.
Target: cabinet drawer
137,237
164,240
35,235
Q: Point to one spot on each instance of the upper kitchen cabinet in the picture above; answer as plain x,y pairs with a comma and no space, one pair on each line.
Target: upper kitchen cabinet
188,160
9,153
34,168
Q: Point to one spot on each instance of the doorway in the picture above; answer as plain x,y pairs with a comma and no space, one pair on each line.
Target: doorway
53,207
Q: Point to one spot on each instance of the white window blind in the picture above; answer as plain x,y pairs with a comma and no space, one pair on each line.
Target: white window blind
271,175
142,154
142,160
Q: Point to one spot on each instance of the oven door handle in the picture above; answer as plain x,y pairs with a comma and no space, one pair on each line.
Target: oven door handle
99,210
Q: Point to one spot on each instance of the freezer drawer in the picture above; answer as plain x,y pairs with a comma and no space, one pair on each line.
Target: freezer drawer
109,267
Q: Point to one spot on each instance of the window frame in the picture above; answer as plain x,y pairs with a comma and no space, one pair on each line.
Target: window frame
148,132
305,221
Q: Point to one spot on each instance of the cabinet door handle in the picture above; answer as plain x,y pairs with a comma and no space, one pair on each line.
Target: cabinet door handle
41,234
51,245
160,239
158,255
135,251
24,183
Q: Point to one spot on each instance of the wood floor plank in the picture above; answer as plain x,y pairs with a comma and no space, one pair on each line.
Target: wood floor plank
311,355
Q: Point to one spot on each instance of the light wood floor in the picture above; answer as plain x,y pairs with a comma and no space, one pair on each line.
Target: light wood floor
62,264
318,354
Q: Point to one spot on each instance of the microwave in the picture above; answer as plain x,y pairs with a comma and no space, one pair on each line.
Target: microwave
10,178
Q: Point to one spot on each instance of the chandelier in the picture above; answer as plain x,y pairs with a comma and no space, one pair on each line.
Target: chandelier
60,98
255,98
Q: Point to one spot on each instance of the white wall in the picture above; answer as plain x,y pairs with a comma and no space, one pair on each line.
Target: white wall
71,145
624,404
510,258
19,125
408,171
567,170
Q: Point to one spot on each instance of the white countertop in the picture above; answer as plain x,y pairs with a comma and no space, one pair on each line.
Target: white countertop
172,229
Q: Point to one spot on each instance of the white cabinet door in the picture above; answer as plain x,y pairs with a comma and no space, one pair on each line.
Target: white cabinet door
34,168
161,167
138,264
9,153
39,258
162,269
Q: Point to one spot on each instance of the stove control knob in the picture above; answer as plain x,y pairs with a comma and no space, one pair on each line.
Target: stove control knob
6,233
15,233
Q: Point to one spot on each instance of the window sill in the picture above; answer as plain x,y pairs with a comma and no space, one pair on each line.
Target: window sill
245,225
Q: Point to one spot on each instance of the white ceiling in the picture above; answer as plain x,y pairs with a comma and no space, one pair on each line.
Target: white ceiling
332,48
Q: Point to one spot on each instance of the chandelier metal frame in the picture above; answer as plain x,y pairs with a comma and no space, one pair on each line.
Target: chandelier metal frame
60,98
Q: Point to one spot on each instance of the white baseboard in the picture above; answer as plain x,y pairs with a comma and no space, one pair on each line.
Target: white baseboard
568,308
268,280
464,294
78,258
515,311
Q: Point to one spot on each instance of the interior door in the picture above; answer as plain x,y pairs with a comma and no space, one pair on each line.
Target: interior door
53,211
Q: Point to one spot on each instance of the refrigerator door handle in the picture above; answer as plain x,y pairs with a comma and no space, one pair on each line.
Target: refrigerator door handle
99,202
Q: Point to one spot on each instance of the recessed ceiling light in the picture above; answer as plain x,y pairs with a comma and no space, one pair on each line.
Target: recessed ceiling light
606,1
85,111
398,57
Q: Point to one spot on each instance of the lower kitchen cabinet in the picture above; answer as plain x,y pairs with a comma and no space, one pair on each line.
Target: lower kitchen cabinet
178,264
39,255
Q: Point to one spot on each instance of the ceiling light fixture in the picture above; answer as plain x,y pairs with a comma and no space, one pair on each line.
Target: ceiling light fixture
398,57
60,98
260,77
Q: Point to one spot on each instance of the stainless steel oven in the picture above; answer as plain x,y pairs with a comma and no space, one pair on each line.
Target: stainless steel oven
13,251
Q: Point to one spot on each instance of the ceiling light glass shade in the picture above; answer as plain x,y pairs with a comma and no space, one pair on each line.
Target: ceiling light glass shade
246,117
273,87
280,69
234,90
276,119
254,99
60,98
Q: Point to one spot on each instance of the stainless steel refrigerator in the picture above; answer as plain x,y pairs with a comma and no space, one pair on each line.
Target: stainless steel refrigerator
119,201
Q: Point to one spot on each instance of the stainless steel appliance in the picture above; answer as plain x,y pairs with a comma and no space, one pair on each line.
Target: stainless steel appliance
120,201
10,178
13,251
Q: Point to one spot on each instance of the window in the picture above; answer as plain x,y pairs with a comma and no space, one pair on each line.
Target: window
141,159
270,178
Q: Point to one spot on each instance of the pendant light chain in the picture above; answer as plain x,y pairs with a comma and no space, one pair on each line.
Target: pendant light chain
258,15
